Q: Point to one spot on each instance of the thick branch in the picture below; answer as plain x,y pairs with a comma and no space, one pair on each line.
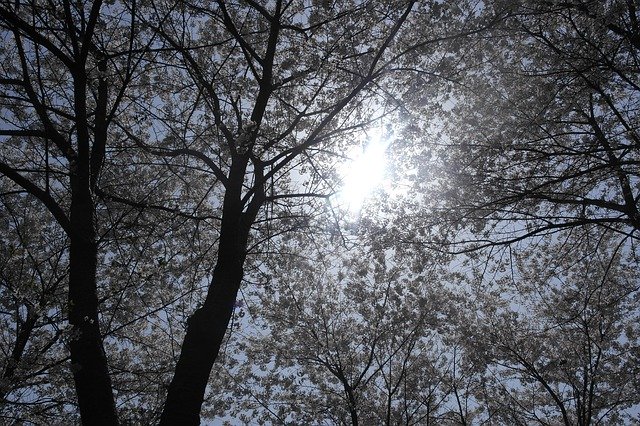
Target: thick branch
41,195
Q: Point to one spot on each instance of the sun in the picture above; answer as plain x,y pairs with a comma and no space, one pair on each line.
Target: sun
363,172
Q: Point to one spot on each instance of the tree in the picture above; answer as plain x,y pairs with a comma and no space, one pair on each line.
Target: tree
262,100
33,271
544,135
173,150
65,70
357,344
540,139
555,336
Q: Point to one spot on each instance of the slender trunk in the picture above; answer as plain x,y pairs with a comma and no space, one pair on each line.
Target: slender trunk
354,416
24,332
351,399
353,412
88,359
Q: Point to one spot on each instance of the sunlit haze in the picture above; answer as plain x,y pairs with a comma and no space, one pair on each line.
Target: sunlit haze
363,172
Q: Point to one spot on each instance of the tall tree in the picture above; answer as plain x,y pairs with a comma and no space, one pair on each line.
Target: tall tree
65,70
246,109
263,99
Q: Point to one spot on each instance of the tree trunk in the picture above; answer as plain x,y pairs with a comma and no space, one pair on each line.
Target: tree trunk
205,332
88,359
353,412
207,326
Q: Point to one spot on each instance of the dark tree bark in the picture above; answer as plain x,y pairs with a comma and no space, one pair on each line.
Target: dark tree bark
78,132
88,359
205,332
207,326
242,201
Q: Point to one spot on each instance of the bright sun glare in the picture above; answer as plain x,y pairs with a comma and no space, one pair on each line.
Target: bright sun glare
364,172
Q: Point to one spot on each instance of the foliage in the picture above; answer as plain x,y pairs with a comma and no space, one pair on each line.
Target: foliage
544,131
553,332
170,177
356,344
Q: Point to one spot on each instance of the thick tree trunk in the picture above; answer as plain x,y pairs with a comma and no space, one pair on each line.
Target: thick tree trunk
206,329
207,326
88,359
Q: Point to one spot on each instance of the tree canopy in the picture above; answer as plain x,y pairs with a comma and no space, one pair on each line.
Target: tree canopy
319,212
